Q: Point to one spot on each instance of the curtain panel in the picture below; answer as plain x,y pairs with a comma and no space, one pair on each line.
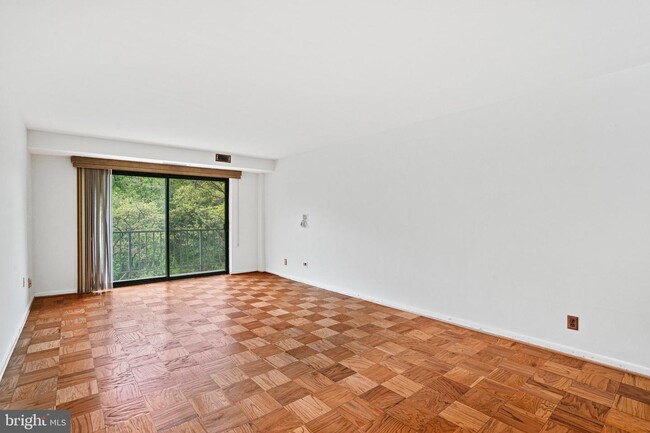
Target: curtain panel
94,231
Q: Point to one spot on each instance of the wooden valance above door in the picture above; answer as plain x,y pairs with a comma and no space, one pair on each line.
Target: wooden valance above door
150,167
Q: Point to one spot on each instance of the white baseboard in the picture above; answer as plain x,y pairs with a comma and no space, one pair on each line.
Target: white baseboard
243,271
19,331
56,292
579,353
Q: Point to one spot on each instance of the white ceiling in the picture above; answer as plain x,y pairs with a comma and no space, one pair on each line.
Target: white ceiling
274,78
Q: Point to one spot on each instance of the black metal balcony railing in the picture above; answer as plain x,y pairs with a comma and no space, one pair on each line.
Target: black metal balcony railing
142,253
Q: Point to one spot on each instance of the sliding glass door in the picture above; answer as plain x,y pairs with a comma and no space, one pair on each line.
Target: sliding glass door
167,227
197,226
139,227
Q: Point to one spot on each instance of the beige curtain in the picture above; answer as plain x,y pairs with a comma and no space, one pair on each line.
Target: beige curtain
95,246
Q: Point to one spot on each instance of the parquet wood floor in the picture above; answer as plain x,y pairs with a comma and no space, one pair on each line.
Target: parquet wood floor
258,353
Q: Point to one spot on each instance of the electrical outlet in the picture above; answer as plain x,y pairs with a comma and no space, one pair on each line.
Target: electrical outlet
572,322
285,262
305,264
29,283
24,281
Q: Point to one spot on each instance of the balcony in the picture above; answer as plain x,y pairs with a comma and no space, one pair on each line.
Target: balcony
141,254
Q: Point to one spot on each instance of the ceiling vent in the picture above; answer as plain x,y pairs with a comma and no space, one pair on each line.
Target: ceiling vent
222,157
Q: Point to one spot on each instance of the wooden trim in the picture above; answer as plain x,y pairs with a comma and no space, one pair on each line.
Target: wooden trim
149,167
79,230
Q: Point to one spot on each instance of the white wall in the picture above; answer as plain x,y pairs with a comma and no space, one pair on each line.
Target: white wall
14,229
505,218
55,225
244,224
54,204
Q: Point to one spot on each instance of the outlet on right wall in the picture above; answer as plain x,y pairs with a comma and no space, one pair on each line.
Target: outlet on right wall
507,218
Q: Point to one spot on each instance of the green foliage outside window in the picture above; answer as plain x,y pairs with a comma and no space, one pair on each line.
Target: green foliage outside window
196,226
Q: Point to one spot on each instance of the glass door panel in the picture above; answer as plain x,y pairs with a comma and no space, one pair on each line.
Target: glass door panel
197,226
139,231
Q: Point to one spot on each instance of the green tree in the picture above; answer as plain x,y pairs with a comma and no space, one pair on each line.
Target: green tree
138,203
196,204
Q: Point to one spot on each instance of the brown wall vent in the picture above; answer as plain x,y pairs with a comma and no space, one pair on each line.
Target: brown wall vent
222,157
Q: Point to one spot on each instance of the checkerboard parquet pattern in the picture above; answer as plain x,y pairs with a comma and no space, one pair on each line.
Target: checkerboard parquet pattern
259,353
